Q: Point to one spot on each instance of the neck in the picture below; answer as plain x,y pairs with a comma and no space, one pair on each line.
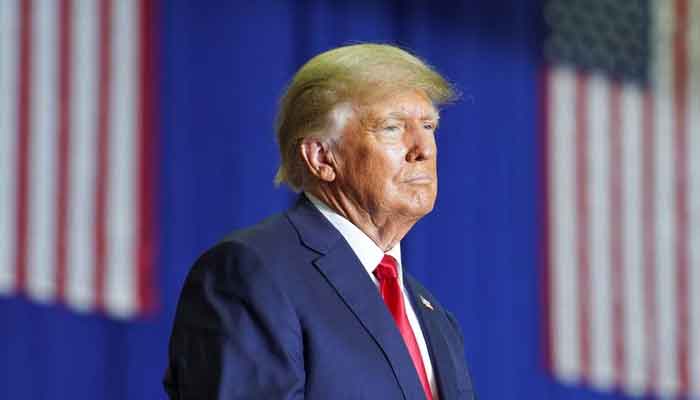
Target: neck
383,229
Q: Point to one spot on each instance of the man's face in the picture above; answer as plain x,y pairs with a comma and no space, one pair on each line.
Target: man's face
387,156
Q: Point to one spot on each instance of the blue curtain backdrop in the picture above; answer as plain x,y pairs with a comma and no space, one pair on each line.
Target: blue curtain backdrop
222,66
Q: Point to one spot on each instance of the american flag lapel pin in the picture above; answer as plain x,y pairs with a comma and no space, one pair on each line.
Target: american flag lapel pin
426,303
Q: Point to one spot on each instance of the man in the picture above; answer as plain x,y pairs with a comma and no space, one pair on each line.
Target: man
315,303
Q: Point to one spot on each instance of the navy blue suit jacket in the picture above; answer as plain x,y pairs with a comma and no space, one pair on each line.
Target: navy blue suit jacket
285,310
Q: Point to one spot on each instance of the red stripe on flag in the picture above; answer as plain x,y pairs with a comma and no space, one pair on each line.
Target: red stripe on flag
64,126
548,217
649,187
616,239
582,222
104,103
23,132
680,61
147,161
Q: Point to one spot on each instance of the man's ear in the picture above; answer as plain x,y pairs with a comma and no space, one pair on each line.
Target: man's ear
318,158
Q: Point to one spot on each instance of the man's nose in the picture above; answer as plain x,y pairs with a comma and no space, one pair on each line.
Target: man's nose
422,144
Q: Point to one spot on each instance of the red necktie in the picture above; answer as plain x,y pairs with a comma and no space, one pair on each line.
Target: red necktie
387,275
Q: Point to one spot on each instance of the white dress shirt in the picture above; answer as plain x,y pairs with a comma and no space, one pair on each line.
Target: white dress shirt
370,255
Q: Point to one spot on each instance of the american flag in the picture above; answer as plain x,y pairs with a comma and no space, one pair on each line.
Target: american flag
77,153
622,116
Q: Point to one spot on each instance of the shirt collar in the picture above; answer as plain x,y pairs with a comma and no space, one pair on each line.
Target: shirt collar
364,248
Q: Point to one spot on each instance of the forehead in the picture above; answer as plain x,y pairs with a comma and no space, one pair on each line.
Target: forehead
404,104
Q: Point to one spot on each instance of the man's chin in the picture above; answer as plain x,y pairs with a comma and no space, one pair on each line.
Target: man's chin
420,206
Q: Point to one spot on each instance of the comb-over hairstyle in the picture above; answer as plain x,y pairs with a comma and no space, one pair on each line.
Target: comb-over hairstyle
349,74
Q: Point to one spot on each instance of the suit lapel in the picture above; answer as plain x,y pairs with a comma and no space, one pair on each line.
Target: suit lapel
440,353
340,266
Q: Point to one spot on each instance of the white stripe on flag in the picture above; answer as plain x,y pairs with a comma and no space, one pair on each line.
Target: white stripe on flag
598,164
81,202
562,156
632,215
120,288
665,201
42,183
9,39
694,196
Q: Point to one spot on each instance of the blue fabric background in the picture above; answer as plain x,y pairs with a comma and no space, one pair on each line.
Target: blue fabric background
222,67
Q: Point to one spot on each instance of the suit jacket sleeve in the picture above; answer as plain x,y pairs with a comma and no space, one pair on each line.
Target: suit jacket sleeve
236,335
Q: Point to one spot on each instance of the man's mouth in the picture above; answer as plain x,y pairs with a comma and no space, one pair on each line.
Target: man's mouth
421,179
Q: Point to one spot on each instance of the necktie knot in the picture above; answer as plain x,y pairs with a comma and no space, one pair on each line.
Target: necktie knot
387,269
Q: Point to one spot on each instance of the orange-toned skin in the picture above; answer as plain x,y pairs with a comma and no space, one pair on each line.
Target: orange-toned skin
381,174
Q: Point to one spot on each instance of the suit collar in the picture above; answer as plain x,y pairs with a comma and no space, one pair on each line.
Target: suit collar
343,270
314,230
363,246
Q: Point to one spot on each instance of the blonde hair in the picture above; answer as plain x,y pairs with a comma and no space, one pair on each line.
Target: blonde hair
345,74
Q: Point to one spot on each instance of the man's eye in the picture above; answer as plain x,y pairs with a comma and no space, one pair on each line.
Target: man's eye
392,128
429,126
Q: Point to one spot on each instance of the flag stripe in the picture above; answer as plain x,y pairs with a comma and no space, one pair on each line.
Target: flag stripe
693,157
121,198
635,344
81,213
8,139
23,137
64,132
147,159
649,211
546,211
582,208
102,179
564,290
597,190
665,268
616,230
41,258
680,62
